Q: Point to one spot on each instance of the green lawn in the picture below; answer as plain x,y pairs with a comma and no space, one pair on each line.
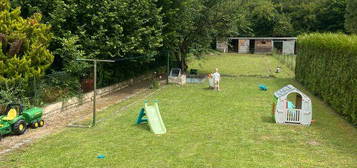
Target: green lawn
231,128
241,65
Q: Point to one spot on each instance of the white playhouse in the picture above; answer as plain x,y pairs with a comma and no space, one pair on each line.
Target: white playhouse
286,112
177,77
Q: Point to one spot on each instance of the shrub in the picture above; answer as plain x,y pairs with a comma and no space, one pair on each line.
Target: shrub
58,85
351,16
105,29
23,46
327,65
15,93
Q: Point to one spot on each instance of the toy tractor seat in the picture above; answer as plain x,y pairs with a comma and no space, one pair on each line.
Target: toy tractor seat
10,115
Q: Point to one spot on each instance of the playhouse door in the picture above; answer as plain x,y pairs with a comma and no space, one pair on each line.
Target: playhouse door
293,115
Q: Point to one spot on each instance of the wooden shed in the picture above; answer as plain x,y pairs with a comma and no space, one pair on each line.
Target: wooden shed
258,45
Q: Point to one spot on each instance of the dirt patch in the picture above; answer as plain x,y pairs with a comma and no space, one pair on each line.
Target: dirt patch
55,122
265,138
313,143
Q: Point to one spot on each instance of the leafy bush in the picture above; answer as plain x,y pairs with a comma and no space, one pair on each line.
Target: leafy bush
23,54
326,64
15,93
23,46
105,29
58,85
4,5
351,16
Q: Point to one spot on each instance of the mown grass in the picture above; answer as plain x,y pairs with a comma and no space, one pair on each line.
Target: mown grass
231,128
242,65
288,60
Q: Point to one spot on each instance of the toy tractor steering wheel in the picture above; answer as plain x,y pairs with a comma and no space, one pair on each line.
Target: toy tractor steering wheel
18,107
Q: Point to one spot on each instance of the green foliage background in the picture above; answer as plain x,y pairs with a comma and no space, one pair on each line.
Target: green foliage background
112,29
23,46
103,30
351,16
293,17
326,64
192,25
149,30
24,53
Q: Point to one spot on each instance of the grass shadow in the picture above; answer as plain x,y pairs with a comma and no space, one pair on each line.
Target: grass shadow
207,88
267,119
143,126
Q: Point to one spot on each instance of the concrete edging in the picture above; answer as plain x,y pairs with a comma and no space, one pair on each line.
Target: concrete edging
88,97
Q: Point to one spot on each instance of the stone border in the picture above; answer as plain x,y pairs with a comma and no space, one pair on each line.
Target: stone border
74,102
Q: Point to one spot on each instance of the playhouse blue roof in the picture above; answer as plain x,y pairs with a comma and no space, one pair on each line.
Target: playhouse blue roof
286,90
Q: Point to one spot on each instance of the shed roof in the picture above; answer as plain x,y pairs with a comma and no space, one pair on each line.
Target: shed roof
287,90
263,38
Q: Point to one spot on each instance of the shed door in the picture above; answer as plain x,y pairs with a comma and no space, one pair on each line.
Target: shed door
289,47
243,47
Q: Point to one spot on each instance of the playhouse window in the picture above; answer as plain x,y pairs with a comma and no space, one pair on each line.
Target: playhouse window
294,101
175,72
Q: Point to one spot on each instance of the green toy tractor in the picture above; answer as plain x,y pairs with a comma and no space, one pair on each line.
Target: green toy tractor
13,120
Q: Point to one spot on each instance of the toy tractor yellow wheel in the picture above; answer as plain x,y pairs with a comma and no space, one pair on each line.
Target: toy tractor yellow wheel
35,125
41,123
19,127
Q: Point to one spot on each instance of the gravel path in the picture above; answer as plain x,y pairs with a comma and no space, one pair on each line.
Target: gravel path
58,121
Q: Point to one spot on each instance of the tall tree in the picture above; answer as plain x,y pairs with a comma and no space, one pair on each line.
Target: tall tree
23,46
330,16
268,19
262,17
313,16
283,26
302,14
105,29
351,16
191,25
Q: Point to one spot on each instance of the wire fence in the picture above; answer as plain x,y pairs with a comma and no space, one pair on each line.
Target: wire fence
40,91
58,86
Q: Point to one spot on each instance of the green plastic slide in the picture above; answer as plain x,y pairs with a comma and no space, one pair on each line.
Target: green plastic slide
154,118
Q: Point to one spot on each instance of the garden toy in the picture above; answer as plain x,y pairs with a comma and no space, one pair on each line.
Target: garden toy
286,112
141,116
193,72
210,81
291,105
155,84
177,77
263,87
195,79
15,121
100,156
153,117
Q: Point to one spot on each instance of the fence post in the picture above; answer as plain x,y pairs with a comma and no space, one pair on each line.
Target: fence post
94,93
35,91
168,67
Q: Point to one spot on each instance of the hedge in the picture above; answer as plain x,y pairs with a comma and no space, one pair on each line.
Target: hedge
327,65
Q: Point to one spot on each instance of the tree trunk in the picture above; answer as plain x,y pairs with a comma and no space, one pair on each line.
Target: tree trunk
178,59
183,51
184,65
15,47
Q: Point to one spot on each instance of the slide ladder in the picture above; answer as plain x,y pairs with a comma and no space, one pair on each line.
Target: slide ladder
151,114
